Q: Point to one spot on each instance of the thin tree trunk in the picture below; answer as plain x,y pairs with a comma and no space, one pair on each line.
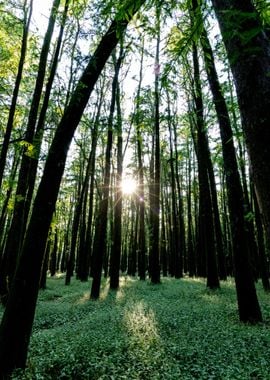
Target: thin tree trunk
141,232
206,223
74,232
175,241
192,267
163,245
11,115
21,209
38,137
87,247
154,247
182,237
117,231
100,238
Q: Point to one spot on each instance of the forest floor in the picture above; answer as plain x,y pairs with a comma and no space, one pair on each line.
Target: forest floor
175,330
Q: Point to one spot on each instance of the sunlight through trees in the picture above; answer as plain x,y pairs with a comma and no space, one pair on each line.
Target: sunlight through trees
134,140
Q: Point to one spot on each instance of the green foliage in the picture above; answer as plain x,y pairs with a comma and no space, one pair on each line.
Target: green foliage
29,148
263,8
9,48
176,330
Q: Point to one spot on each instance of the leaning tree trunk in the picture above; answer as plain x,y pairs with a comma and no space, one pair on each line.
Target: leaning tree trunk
38,137
248,306
4,227
16,325
248,51
20,213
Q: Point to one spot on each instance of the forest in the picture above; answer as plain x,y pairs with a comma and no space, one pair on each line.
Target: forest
135,189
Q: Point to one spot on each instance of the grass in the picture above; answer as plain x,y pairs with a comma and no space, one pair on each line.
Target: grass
175,330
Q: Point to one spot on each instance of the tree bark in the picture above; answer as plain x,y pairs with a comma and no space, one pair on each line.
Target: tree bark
154,247
141,232
248,306
21,207
100,238
11,115
206,223
117,230
175,225
248,49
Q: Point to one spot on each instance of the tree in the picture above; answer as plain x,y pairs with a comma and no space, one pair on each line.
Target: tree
248,49
176,247
22,202
138,121
26,22
249,310
155,188
85,252
100,237
117,231
206,221
16,325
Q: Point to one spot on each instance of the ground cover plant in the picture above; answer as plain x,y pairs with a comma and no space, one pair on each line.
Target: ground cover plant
175,330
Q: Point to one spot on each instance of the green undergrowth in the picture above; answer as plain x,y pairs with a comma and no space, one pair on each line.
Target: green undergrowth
175,330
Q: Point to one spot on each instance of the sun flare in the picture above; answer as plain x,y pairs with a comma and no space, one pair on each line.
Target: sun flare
128,186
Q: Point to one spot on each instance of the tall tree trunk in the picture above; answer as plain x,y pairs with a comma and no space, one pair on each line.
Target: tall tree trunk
117,231
11,115
206,223
4,210
87,246
182,237
16,325
75,230
141,232
175,246
53,256
100,238
216,217
248,51
163,245
249,310
192,267
38,137
154,246
20,213
4,227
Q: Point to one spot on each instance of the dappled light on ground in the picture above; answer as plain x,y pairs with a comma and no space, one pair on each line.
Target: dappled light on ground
84,298
104,290
176,330
141,324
